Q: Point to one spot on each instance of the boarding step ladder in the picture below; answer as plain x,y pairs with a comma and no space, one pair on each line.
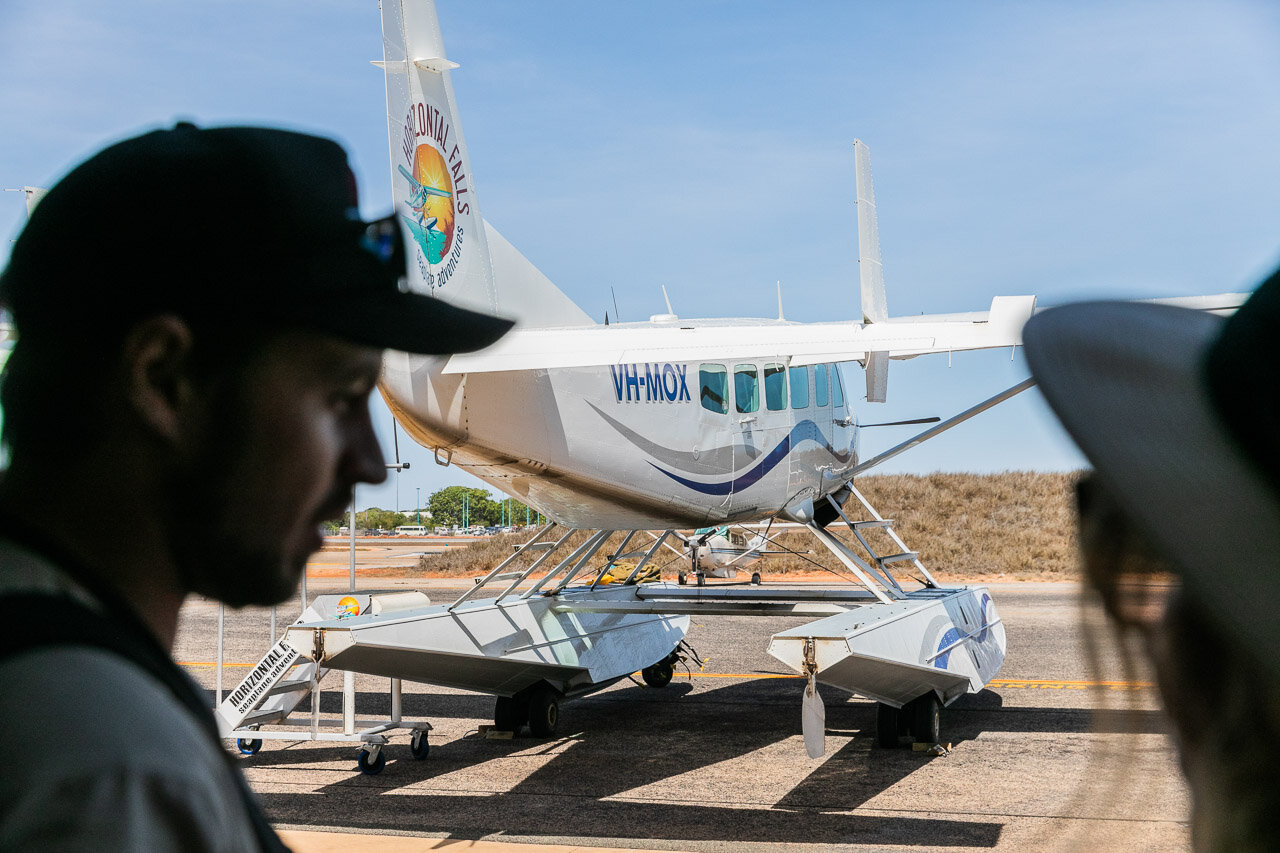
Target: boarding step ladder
271,691
283,679
874,573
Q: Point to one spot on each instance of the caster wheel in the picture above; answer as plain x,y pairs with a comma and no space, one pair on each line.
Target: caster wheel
544,712
419,748
660,674
755,578
888,725
249,747
372,766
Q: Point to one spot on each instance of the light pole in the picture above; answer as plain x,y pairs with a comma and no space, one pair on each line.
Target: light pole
417,503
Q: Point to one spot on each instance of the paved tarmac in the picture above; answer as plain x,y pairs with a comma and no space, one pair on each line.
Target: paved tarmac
1060,753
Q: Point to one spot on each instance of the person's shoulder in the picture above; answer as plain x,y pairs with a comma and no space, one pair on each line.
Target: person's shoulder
101,731
24,571
122,713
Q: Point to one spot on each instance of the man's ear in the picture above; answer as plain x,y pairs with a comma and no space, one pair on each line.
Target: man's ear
157,355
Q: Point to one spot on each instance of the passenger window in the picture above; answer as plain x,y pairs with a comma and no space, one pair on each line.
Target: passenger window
714,382
775,387
820,391
746,387
837,389
800,387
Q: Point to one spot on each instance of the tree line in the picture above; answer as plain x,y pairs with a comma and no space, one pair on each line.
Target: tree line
452,506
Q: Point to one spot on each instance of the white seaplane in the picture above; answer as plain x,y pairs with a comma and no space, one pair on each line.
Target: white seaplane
658,426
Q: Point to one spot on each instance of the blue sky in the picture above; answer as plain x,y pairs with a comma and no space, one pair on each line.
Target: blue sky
1071,150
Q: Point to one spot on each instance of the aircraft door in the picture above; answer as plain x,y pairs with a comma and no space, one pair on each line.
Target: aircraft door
714,449
843,430
824,429
808,447
745,424
760,424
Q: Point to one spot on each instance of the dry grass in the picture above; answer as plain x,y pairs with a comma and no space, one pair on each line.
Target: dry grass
1019,525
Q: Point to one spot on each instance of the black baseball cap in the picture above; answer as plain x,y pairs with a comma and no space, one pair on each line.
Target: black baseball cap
224,223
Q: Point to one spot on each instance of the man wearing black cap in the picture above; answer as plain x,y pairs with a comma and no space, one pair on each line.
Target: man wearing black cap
201,316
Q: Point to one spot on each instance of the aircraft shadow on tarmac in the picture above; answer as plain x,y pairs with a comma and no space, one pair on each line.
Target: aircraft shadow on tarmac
624,739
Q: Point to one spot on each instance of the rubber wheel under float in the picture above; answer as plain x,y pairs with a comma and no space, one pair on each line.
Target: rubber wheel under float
510,713
756,579
660,674
888,725
926,718
249,747
544,712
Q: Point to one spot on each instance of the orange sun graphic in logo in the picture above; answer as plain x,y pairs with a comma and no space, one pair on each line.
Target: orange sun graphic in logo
431,200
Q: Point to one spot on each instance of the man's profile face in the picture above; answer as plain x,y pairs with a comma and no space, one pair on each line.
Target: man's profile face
283,441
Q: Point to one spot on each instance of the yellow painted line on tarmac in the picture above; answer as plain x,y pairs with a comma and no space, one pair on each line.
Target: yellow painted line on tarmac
1041,684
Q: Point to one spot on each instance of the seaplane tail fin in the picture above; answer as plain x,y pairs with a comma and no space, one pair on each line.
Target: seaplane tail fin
433,189
870,270
524,292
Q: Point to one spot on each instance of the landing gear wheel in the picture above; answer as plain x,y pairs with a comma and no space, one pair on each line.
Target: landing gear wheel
926,718
509,713
544,712
419,748
372,760
682,578
702,579
248,747
888,725
660,674
755,578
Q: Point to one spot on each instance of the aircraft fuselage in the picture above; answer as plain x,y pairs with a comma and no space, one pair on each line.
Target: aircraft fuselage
637,445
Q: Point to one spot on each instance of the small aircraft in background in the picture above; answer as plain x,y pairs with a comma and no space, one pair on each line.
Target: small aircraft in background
721,552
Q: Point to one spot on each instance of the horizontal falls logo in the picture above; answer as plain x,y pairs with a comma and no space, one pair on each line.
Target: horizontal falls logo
437,191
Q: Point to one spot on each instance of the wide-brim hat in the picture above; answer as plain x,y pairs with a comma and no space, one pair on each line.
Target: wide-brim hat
234,224
1164,401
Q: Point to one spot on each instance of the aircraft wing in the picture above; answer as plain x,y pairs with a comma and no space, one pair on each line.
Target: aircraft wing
798,343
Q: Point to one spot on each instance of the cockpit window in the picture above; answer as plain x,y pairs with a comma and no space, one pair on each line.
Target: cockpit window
820,390
775,387
837,388
746,387
714,390
800,387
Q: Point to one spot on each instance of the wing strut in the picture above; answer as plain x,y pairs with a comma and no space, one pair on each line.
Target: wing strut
943,427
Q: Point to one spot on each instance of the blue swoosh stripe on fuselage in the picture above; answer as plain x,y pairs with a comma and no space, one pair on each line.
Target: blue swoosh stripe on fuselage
804,430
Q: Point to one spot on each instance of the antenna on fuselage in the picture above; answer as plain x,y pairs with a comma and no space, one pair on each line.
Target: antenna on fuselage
780,317
666,299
